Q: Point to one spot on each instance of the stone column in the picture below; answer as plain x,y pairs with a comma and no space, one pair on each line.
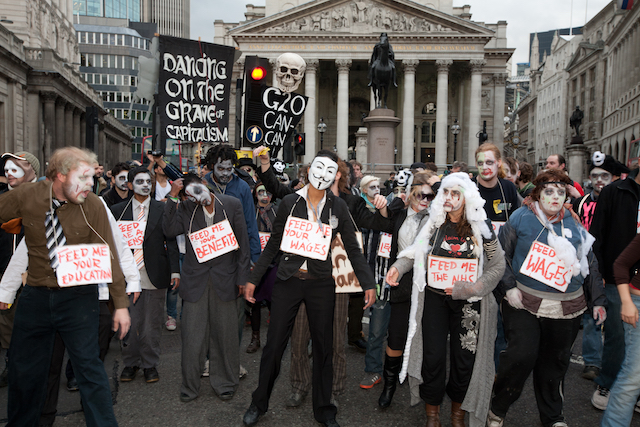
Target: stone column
498,109
59,139
83,131
361,148
442,112
342,128
274,82
77,141
461,105
408,110
474,111
49,99
310,115
576,158
68,126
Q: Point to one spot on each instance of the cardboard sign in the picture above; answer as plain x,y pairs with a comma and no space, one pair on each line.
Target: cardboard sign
303,237
543,265
264,238
442,272
342,269
83,265
133,232
211,242
497,225
384,248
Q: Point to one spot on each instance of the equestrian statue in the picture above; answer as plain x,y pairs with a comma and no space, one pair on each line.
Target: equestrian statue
382,69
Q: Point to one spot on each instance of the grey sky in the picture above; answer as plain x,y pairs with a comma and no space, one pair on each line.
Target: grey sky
522,17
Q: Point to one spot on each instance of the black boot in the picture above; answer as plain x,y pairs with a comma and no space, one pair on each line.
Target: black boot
392,367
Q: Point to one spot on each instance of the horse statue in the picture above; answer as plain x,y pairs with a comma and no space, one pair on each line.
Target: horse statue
382,69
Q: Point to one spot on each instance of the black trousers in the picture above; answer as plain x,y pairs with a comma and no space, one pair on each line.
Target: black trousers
539,344
319,298
354,326
442,317
398,325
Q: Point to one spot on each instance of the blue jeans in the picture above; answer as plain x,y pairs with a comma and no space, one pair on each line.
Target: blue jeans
591,341
613,349
74,313
626,389
378,325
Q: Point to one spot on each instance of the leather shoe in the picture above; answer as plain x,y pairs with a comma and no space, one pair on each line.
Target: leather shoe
295,399
251,416
151,375
72,384
227,395
186,398
331,423
360,345
128,373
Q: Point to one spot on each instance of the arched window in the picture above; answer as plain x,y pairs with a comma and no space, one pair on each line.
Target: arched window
426,132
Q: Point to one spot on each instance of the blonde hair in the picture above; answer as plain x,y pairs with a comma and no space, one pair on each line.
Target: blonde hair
67,159
366,180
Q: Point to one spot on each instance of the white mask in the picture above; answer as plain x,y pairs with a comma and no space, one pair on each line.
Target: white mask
552,198
322,172
121,181
12,169
198,193
142,184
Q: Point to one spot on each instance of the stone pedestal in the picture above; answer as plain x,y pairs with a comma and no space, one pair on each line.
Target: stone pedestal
361,148
577,161
381,125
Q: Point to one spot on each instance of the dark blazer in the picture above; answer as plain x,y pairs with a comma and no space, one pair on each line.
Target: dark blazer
161,255
290,263
227,271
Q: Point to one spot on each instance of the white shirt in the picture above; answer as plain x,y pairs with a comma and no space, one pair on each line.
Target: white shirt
161,192
304,192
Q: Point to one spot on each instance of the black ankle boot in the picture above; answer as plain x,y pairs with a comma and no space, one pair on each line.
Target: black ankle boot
392,367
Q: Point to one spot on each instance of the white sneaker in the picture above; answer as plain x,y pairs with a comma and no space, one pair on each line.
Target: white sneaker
170,324
205,373
600,398
559,424
243,372
493,420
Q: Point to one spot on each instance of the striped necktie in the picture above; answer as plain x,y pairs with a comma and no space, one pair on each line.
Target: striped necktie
55,236
138,255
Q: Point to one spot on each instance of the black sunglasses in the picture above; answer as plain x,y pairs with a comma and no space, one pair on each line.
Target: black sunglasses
429,196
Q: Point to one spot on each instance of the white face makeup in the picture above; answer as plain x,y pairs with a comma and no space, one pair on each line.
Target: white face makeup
223,171
373,189
121,181
322,172
142,184
264,197
198,193
453,198
600,178
487,165
13,173
79,183
421,201
513,177
552,198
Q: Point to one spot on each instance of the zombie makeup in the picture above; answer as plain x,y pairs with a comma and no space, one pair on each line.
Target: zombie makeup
373,189
600,178
223,171
453,198
263,196
249,170
198,193
552,198
487,165
121,181
142,184
422,199
78,184
322,172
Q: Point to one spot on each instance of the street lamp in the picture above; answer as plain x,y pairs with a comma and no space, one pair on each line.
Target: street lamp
322,128
455,130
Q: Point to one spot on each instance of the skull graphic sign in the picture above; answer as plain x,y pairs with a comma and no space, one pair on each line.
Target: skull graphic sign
290,68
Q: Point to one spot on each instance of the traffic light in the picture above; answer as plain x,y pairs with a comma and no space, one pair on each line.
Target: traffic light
482,135
255,81
298,144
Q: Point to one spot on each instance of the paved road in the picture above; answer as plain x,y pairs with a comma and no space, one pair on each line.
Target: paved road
139,404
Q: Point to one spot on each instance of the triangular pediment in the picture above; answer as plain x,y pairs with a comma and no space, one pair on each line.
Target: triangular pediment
584,51
361,17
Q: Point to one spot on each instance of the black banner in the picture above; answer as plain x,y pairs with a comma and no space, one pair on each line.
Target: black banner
193,90
282,112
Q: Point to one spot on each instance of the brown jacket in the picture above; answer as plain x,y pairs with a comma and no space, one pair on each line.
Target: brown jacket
31,201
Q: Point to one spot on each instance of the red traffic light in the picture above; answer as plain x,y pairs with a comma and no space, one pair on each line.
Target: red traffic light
258,73
299,139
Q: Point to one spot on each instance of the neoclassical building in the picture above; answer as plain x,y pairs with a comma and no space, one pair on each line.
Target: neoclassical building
448,68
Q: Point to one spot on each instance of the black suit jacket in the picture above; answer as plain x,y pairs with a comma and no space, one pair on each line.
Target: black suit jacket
290,263
227,271
161,255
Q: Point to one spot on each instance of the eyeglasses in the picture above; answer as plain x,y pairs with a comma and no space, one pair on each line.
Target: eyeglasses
429,197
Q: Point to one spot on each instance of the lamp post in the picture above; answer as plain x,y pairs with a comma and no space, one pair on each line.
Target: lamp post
322,128
455,130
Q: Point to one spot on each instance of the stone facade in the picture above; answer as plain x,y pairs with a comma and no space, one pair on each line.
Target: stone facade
448,68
